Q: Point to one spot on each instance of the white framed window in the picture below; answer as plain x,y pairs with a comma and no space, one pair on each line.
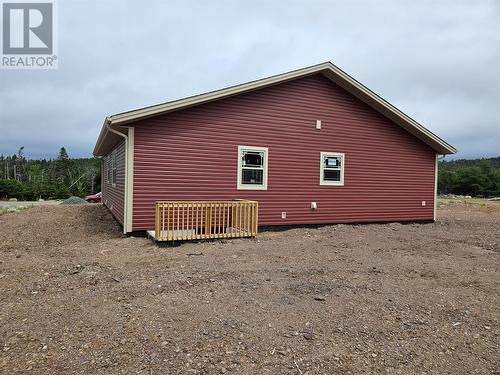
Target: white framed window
331,168
105,169
252,168
113,168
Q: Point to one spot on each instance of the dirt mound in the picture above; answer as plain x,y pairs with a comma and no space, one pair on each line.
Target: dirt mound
46,229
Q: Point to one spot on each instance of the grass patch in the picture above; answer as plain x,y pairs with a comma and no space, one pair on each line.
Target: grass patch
479,202
8,210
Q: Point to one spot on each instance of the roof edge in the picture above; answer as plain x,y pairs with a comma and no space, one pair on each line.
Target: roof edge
328,69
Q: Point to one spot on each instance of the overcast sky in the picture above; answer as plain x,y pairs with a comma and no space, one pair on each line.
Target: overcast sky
437,61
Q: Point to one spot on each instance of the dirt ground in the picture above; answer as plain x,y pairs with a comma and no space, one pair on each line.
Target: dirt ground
78,297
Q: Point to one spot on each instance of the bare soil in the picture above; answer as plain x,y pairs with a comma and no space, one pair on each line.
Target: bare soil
78,297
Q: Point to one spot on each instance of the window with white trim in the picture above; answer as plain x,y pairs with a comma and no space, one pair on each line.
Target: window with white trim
106,168
252,168
332,168
113,168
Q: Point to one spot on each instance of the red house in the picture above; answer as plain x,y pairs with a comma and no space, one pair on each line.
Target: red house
311,146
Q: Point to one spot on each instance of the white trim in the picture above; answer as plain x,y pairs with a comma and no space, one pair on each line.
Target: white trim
328,69
239,185
322,168
129,197
435,186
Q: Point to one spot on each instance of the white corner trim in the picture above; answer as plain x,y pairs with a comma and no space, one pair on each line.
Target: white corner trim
239,185
435,186
129,197
321,169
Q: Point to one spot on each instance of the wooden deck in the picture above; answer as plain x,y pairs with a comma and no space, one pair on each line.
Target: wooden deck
196,220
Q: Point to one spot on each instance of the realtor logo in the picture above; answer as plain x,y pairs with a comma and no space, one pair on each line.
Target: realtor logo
28,35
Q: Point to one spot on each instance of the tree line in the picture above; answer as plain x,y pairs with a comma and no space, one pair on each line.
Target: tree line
59,178
478,177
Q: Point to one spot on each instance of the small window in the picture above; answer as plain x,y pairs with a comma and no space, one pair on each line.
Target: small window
113,167
332,169
252,168
107,167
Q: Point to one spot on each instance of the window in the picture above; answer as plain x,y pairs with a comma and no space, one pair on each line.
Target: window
331,169
252,168
113,168
105,169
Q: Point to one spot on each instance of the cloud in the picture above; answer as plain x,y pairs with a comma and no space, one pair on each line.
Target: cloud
435,60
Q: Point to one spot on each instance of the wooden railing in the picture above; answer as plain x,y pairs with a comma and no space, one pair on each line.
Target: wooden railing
193,220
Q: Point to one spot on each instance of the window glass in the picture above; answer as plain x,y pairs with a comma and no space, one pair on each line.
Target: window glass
252,176
332,161
331,175
253,159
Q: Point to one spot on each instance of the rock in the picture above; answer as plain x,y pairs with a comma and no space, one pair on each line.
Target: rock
308,336
319,298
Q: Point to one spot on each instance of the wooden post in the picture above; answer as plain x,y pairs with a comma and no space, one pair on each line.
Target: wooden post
157,221
256,218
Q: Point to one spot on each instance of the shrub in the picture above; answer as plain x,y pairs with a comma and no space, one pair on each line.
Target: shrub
10,188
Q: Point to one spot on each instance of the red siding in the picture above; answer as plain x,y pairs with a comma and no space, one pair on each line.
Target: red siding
113,196
191,154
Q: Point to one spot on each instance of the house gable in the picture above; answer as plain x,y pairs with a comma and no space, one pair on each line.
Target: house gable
107,138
